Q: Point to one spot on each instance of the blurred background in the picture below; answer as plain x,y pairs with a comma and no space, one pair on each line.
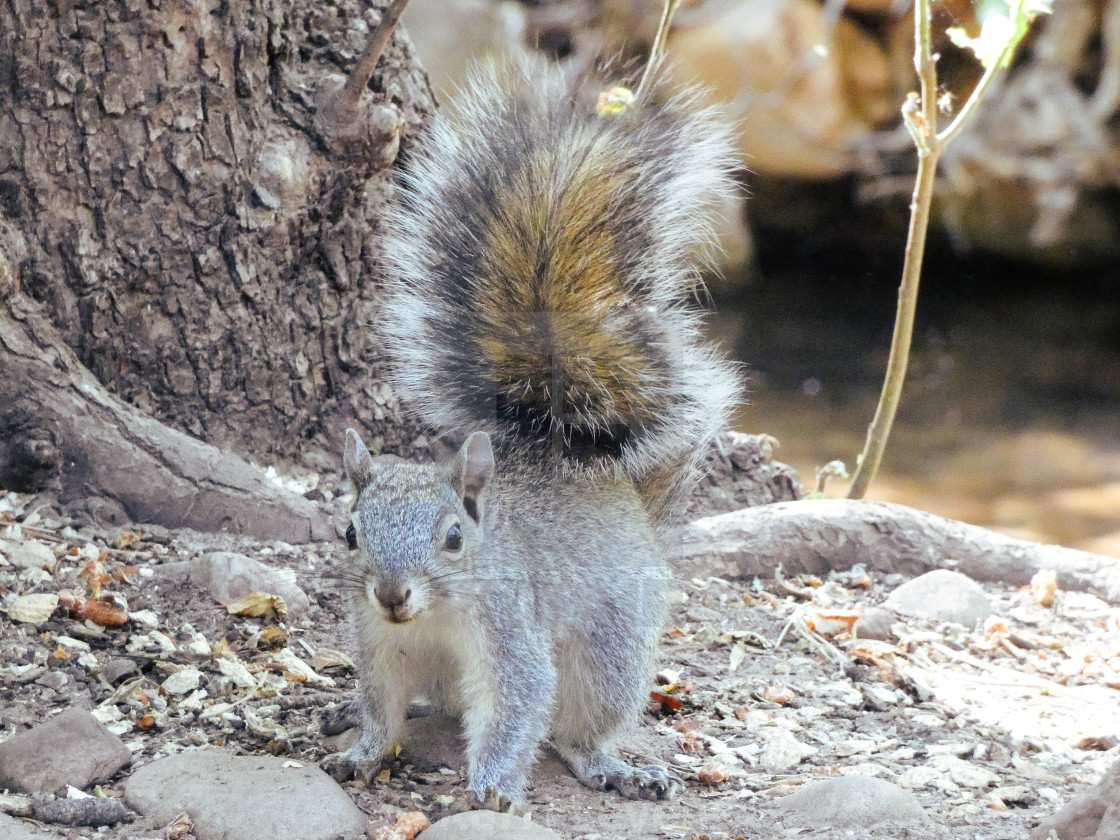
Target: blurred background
1011,413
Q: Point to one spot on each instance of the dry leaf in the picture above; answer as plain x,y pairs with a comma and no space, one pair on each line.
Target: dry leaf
410,824
32,609
93,573
1044,587
328,658
259,605
668,703
180,827
832,622
738,654
275,637
712,774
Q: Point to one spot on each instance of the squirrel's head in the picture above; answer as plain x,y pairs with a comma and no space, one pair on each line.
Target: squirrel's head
415,528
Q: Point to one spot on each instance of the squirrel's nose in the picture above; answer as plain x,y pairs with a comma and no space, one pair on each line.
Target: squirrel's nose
391,596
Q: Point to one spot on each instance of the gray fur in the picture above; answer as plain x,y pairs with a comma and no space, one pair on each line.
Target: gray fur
529,131
544,621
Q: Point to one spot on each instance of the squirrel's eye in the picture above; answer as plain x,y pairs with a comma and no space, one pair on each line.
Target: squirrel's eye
351,538
454,539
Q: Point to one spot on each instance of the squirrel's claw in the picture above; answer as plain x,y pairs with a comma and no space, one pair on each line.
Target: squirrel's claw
603,771
494,800
651,782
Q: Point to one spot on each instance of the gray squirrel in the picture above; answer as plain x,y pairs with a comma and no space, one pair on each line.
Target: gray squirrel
541,270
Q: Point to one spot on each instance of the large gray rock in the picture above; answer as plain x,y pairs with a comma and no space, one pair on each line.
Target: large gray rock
853,802
487,825
13,829
942,595
69,749
1091,815
231,797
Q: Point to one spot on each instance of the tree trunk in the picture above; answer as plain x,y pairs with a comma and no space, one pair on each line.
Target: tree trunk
190,231
64,429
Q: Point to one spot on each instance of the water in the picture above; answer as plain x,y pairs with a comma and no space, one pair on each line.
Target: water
1011,413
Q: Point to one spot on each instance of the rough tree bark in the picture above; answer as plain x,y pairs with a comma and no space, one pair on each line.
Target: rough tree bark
168,197
194,238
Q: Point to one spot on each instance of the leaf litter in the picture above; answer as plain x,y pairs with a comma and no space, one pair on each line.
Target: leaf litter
764,689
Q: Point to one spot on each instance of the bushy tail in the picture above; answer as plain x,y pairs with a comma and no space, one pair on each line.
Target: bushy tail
541,276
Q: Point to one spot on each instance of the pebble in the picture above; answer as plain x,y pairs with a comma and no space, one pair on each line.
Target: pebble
853,802
182,682
918,777
231,576
70,748
238,674
942,595
231,797
117,669
31,554
486,825
782,751
967,774
875,624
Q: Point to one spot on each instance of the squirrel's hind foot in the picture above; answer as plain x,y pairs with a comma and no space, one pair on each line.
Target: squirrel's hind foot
603,771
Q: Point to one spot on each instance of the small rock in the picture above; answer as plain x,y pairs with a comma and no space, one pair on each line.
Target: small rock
918,777
782,751
881,697
70,748
1016,794
29,555
182,682
117,669
875,624
853,802
54,680
230,797
487,825
146,617
942,595
13,829
238,674
231,576
198,645
970,775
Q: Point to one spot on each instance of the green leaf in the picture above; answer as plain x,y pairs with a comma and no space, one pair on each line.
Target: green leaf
1000,34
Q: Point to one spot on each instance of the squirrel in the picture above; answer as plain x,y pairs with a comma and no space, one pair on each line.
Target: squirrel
541,274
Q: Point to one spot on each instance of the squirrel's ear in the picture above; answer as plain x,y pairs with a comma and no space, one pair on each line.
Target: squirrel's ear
358,462
471,473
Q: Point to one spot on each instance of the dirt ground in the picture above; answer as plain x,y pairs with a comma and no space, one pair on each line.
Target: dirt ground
991,729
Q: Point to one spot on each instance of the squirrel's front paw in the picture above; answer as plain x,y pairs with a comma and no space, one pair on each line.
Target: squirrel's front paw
503,792
650,782
339,767
603,771
495,800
